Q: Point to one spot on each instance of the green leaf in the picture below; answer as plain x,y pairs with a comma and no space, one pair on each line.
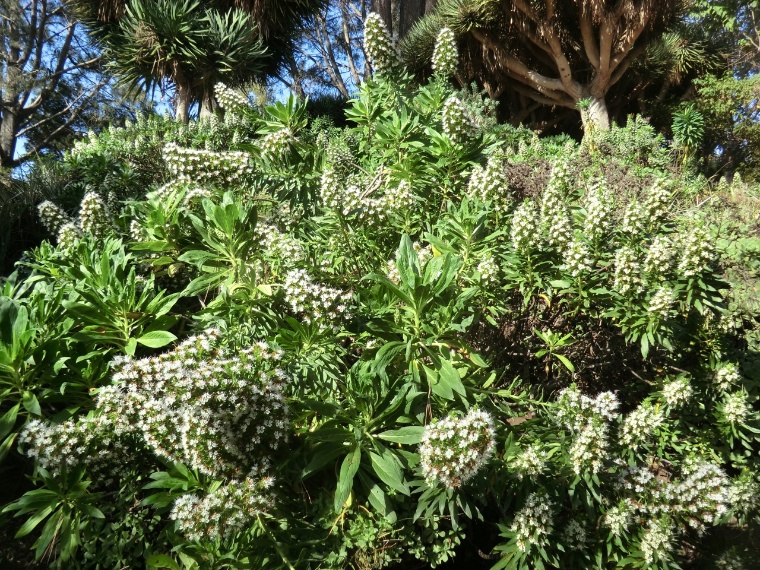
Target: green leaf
32,522
409,435
387,468
348,470
161,561
6,446
31,404
8,420
156,339
564,360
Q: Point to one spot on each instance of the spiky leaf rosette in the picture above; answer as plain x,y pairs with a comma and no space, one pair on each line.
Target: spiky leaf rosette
378,45
457,124
445,55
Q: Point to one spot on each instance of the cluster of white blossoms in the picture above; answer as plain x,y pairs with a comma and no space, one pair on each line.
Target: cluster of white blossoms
281,247
657,201
52,216
744,494
699,497
218,412
657,541
445,54
677,392
453,449
68,235
488,269
588,419
94,217
555,217
661,302
574,409
224,512
378,45
490,184
456,121
574,535
578,258
198,166
524,231
635,219
726,376
60,447
229,99
315,301
659,257
353,196
619,517
533,523
530,462
641,423
276,146
599,204
627,277
697,251
735,407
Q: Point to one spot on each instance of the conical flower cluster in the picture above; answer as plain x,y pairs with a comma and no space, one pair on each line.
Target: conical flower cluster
53,217
378,45
198,166
276,146
525,223
224,512
555,217
93,215
490,184
229,99
599,204
454,449
445,55
627,271
68,235
457,124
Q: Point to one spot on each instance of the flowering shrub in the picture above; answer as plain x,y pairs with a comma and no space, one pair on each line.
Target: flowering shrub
417,339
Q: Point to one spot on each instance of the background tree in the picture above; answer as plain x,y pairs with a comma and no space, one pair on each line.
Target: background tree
190,45
555,53
329,52
48,77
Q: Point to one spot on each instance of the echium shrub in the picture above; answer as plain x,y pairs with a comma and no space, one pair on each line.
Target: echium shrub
220,412
198,166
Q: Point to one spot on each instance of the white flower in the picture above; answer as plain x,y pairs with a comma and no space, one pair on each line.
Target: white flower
677,392
525,227
532,524
735,407
445,54
640,424
378,45
627,271
454,449
656,542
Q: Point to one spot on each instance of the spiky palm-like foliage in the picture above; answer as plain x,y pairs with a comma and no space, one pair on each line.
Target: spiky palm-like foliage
193,44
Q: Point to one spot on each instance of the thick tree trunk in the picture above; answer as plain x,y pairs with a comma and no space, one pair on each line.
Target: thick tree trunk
401,15
596,115
8,132
182,103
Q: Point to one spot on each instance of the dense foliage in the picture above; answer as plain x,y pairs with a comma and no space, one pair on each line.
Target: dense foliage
282,344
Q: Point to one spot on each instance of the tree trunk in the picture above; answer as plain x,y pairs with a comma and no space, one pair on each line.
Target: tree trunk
8,132
596,115
207,106
182,103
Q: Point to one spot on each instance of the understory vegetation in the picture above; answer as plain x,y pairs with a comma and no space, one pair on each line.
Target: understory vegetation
261,341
